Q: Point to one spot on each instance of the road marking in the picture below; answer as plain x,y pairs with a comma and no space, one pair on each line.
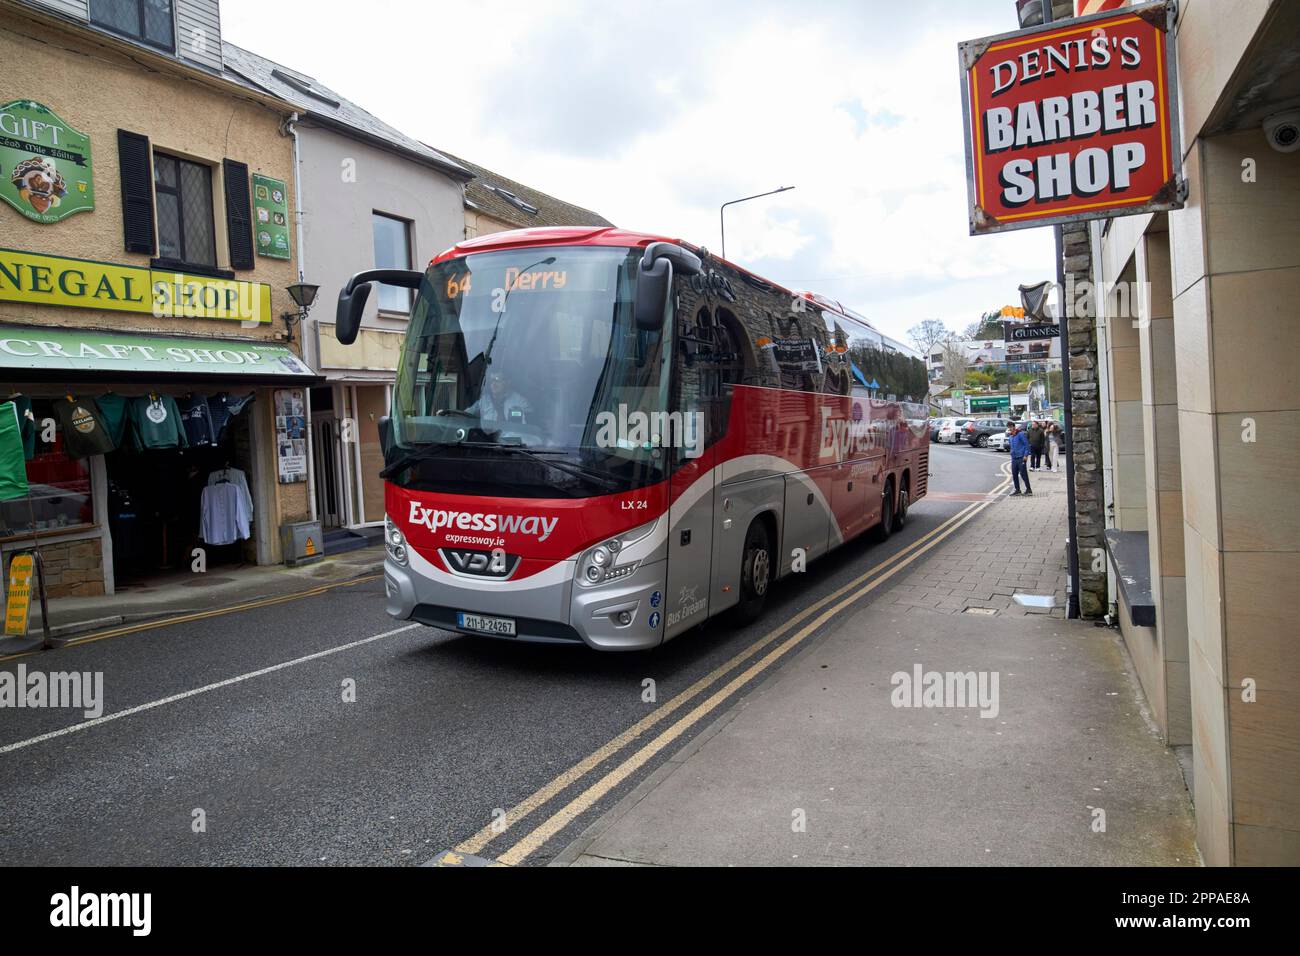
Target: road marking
202,615
475,843
86,725
584,801
538,837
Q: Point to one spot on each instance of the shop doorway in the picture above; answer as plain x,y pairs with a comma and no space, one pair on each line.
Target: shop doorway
325,452
156,499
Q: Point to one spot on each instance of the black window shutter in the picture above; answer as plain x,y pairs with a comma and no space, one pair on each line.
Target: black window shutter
135,171
239,216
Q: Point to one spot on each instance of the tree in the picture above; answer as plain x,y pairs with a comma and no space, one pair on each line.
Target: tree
926,334
954,360
989,326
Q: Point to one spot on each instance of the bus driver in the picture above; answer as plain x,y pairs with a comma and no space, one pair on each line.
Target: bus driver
501,403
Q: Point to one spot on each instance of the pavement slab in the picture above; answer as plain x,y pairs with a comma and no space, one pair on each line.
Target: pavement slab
884,785
819,767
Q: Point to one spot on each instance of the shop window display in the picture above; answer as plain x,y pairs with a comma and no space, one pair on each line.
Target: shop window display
61,497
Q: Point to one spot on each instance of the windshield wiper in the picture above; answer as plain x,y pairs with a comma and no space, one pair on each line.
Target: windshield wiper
578,471
411,458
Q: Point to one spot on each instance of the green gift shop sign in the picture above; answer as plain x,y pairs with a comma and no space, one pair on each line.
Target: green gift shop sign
45,166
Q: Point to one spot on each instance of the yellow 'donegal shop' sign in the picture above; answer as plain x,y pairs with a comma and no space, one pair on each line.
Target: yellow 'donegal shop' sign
79,283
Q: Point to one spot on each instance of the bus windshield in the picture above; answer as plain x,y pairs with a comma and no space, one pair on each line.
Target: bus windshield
522,358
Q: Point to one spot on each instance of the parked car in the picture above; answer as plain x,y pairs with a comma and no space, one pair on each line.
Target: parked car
977,431
935,425
951,432
999,441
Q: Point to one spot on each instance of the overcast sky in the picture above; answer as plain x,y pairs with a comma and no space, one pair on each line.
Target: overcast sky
655,114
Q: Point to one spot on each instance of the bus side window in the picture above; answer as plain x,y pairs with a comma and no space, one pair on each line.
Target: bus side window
838,379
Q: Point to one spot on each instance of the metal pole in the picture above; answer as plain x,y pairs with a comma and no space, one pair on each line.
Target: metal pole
722,210
1063,319
38,565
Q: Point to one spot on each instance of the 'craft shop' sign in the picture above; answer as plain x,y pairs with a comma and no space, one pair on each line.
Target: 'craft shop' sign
45,167
78,283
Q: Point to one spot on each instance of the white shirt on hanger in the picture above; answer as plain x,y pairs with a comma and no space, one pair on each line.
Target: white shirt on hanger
224,516
236,478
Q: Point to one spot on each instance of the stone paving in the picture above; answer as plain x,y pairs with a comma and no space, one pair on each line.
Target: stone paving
1015,546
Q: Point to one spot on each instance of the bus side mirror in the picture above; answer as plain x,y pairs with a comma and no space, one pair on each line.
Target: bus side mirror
655,280
385,433
355,293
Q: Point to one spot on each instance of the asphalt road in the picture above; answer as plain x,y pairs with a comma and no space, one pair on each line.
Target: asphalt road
444,729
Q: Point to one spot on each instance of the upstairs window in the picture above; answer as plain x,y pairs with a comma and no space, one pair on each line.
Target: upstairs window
149,21
392,251
183,197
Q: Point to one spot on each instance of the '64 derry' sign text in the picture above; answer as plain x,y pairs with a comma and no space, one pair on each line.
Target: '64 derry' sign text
45,167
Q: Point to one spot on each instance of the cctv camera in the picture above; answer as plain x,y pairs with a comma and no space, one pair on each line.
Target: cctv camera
1283,131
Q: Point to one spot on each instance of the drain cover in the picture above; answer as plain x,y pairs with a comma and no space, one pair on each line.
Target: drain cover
980,610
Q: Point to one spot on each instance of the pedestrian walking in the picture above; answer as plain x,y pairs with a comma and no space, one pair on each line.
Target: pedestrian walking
1037,440
1055,439
1019,451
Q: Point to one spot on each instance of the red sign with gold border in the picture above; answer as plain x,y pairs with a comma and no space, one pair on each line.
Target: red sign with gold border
1071,121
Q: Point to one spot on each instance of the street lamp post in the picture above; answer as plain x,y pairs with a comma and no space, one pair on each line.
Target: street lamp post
722,211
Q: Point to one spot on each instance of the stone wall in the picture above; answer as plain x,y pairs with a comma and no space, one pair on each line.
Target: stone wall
73,569
1090,519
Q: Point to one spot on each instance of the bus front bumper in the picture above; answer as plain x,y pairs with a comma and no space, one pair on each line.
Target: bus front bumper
563,613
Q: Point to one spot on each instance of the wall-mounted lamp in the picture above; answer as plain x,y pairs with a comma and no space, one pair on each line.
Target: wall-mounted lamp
303,295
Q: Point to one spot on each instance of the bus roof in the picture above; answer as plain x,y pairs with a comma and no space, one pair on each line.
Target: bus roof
553,236
578,236
613,236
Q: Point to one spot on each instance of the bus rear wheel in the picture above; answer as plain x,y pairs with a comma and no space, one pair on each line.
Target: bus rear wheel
900,512
886,526
756,575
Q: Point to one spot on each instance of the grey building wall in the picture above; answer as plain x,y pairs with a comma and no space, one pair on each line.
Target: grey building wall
343,183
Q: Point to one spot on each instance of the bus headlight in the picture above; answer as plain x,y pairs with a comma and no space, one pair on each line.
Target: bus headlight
394,542
600,564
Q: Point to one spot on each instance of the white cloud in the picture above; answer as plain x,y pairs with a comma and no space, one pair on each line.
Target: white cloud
655,116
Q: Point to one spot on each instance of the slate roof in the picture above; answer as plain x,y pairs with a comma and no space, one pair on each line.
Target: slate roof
490,192
323,105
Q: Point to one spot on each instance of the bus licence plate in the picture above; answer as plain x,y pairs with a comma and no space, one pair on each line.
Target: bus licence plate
486,625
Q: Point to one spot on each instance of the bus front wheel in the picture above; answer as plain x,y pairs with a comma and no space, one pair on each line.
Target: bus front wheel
755,574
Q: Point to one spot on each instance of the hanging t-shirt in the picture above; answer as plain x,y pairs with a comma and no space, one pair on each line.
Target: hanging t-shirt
26,425
223,407
84,432
112,409
156,422
197,419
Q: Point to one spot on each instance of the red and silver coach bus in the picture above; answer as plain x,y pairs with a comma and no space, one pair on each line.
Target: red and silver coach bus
607,437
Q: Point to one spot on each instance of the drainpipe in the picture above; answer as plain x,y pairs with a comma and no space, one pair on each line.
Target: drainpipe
292,127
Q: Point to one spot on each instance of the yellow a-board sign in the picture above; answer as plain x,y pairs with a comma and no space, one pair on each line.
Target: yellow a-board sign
19,603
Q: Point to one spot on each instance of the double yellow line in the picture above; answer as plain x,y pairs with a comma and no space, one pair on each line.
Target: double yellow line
815,615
